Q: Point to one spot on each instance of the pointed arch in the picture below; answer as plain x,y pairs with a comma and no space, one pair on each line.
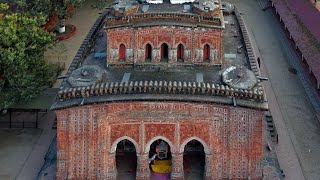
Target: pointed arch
122,52
180,52
115,143
205,146
148,52
164,52
147,146
206,53
194,159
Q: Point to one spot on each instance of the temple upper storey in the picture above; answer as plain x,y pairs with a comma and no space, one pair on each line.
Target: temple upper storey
201,12
171,1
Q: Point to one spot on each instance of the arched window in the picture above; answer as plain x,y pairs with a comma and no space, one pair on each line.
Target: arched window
126,160
194,160
164,52
206,53
122,52
180,53
148,53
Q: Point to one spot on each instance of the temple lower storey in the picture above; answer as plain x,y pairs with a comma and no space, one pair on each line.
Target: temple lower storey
89,136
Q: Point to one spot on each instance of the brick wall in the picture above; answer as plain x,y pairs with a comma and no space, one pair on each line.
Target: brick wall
193,40
88,136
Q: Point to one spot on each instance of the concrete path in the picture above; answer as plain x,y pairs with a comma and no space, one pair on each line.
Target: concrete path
35,160
15,148
294,115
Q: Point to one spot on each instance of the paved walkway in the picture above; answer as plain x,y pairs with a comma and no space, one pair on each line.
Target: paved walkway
35,160
294,116
15,147
64,52
83,19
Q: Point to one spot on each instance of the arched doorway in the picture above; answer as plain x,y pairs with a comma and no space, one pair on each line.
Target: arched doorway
193,160
122,52
164,50
126,160
160,160
206,53
180,53
148,53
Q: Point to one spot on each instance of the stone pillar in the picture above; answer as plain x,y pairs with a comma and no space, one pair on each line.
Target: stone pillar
112,169
156,55
172,56
143,171
208,167
177,166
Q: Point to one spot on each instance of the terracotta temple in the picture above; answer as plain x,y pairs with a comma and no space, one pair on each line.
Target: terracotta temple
162,89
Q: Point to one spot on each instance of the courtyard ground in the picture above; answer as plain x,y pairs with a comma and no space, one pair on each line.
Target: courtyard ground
22,151
293,114
64,51
15,147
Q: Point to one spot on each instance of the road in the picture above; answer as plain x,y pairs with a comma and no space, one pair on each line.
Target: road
294,115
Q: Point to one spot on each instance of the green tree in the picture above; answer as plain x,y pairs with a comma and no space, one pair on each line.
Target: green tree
46,7
23,70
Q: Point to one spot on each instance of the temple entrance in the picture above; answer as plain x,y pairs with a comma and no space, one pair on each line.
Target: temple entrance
160,160
206,53
126,160
148,53
164,52
193,161
180,53
122,52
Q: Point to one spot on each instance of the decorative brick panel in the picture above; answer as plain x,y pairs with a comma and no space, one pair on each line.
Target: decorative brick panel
190,38
232,137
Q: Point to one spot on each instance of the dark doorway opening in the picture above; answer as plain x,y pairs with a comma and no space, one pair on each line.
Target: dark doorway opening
193,161
160,160
180,53
126,160
122,52
148,53
206,53
164,52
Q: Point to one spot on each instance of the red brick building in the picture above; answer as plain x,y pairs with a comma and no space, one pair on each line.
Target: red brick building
165,80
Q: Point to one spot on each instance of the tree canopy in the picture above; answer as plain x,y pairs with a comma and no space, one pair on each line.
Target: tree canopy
23,70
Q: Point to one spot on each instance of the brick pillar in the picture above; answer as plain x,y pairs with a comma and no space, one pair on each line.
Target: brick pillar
208,166
63,144
143,171
177,166
112,169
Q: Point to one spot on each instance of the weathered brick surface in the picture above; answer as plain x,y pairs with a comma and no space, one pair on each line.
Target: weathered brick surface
87,137
135,40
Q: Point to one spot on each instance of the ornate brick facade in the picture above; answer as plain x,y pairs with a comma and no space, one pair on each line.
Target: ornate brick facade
178,108
88,137
193,41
